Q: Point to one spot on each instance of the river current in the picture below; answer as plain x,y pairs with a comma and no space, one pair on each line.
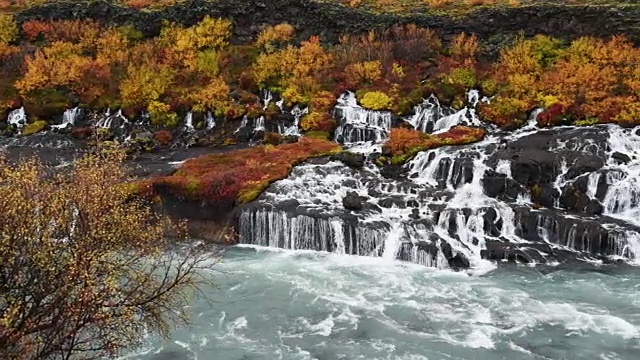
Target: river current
281,304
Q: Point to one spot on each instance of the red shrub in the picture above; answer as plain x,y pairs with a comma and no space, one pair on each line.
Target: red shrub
240,175
163,137
405,143
552,116
34,28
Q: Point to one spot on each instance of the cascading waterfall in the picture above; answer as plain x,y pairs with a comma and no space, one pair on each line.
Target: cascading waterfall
267,97
259,124
432,117
622,199
188,121
243,123
359,125
69,118
445,212
294,130
110,121
210,121
17,117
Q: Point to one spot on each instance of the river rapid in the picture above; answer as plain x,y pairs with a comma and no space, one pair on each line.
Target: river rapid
282,304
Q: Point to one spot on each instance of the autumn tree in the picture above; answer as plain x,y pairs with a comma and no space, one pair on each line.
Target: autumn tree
8,33
8,29
273,36
85,269
297,71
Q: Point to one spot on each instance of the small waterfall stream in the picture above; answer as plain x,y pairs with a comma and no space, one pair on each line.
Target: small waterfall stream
188,122
111,121
359,125
69,118
17,117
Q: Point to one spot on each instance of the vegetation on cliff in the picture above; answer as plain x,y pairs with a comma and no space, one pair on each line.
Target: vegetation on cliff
236,177
48,65
86,271
406,143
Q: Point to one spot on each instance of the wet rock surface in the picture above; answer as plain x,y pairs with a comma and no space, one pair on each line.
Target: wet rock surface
562,195
534,196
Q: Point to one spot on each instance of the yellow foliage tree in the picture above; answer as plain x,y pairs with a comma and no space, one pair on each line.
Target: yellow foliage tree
299,71
274,35
87,270
8,29
363,72
213,96
189,46
376,100
60,64
145,83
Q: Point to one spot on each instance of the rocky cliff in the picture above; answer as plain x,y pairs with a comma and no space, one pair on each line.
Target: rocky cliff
329,20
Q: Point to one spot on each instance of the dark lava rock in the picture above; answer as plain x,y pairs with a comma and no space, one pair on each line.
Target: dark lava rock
594,207
413,204
459,261
391,202
620,158
545,195
494,183
573,199
392,172
585,164
353,201
350,159
447,251
534,167
495,250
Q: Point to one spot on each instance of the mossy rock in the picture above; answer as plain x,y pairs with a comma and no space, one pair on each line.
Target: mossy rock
34,127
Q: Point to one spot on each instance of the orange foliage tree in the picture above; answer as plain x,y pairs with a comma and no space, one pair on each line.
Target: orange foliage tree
87,270
406,143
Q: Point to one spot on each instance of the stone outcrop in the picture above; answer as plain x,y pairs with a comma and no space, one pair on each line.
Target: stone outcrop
329,20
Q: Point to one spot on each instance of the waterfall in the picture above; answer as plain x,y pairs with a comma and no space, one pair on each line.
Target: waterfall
267,97
17,117
188,121
446,212
359,125
243,123
259,124
430,116
110,121
69,118
294,129
266,227
622,199
210,121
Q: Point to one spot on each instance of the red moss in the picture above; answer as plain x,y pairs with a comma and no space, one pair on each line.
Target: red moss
33,29
83,132
240,175
272,138
163,137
